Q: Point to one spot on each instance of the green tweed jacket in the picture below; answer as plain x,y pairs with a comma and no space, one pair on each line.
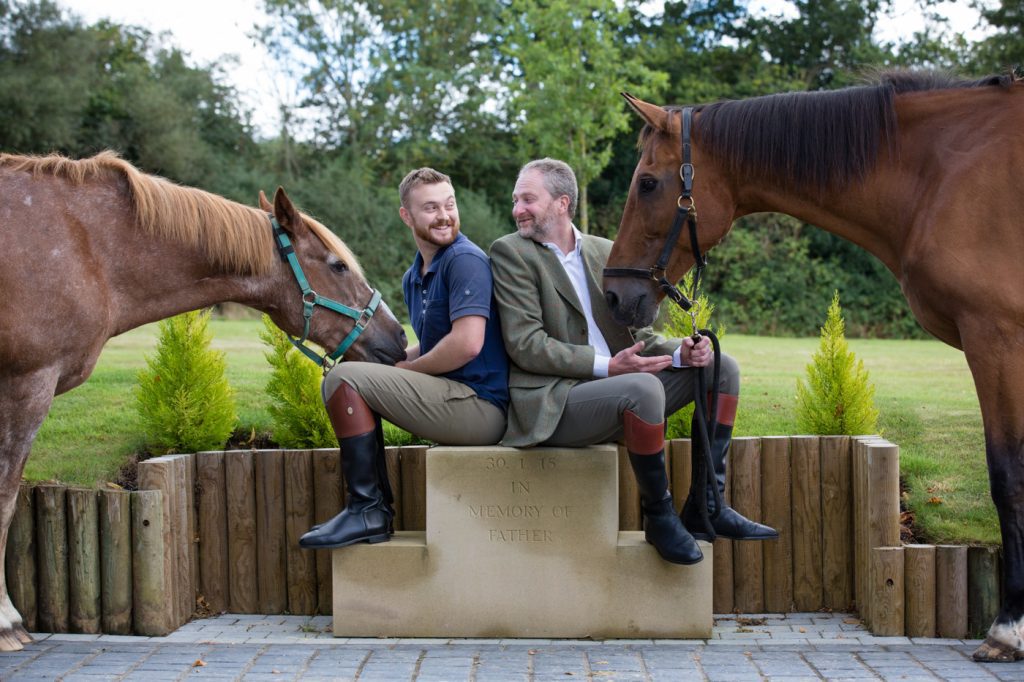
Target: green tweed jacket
545,331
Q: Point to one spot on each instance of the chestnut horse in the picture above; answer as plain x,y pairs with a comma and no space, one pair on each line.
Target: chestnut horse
93,248
920,170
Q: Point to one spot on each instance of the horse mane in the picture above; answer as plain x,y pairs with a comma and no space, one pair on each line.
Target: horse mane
234,237
814,140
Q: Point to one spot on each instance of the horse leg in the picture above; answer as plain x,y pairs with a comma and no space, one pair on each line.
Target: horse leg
24,402
1000,386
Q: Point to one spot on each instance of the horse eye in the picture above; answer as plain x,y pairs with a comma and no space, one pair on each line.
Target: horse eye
647,185
339,267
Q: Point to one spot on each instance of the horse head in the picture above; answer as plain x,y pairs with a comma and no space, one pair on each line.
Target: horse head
655,197
332,273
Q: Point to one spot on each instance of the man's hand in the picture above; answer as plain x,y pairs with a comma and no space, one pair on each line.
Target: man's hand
696,354
628,360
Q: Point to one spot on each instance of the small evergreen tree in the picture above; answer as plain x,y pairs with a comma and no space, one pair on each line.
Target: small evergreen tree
297,410
838,398
680,324
183,397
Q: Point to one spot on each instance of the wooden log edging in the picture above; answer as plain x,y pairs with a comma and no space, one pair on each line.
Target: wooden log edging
230,522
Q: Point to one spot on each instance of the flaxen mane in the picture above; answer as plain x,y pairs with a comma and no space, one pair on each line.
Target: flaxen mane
813,140
235,237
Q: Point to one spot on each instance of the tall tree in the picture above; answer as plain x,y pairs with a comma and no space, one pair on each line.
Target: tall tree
569,67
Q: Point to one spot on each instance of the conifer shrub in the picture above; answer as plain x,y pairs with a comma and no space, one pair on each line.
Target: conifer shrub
838,398
183,396
297,412
680,324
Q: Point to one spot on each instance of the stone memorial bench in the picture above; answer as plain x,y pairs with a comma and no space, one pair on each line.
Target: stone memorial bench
520,543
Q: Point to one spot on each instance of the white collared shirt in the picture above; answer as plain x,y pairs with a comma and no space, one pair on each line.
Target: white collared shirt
577,272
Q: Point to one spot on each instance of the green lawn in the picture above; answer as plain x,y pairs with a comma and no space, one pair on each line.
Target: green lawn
923,391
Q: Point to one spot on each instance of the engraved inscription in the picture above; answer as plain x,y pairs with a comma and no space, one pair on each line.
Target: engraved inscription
520,535
511,469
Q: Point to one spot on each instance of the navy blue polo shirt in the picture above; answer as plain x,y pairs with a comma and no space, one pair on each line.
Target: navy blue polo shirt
458,283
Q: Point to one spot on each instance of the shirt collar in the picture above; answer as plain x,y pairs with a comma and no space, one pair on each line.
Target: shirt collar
577,235
417,263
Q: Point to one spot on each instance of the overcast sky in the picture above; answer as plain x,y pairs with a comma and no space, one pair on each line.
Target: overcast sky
209,29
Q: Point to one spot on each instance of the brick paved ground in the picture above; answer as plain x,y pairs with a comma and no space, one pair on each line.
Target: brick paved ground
771,647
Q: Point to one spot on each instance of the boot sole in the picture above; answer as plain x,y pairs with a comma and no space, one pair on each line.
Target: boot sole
372,540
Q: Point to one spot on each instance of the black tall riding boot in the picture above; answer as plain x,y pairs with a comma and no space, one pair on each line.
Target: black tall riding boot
662,526
366,516
730,523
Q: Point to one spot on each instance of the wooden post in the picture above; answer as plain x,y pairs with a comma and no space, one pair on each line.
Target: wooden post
83,561
748,573
776,500
837,523
327,497
393,458
951,591
807,523
298,495
116,561
919,589
213,530
629,494
414,487
982,589
883,500
153,609
679,456
192,507
20,561
887,579
183,534
240,491
861,549
158,474
52,544
270,532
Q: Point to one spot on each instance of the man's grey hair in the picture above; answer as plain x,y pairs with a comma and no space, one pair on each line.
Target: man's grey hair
558,179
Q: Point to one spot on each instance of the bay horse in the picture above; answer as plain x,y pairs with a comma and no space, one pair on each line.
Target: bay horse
920,169
94,247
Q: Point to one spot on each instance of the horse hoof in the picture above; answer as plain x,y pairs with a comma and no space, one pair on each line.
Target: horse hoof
9,642
22,634
994,651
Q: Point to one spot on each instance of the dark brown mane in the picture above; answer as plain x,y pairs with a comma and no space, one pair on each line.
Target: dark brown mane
814,140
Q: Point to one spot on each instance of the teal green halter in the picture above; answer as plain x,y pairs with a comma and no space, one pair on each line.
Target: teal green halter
311,299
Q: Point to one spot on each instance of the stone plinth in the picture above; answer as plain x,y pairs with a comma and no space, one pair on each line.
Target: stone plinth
520,543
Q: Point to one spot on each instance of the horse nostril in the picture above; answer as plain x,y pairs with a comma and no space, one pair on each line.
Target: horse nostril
612,298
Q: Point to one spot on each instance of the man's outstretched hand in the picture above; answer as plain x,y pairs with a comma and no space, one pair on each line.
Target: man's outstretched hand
629,360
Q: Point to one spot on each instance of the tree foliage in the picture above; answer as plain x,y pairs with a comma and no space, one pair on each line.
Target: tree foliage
183,395
299,419
838,398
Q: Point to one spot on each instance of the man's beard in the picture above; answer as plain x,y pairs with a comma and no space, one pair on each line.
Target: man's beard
427,233
538,229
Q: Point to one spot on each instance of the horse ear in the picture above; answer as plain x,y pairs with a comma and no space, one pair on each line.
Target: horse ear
285,212
265,203
655,116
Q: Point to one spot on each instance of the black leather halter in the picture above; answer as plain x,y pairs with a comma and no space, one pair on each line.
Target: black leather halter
686,213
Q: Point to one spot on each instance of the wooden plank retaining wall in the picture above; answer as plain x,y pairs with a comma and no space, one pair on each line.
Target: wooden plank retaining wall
218,531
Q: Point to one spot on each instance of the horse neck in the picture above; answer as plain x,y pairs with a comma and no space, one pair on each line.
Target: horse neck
153,279
872,213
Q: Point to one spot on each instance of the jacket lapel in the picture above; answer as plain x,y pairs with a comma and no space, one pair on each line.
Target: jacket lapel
559,277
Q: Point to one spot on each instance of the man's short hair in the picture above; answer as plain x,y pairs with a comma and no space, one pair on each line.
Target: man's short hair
420,176
558,179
